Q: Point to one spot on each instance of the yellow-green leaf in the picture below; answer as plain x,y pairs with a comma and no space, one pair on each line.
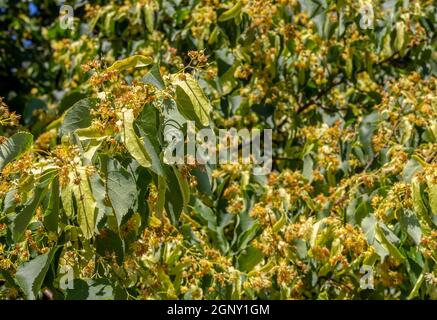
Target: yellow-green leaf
135,61
86,204
231,13
419,206
432,193
414,292
149,18
134,144
400,36
67,199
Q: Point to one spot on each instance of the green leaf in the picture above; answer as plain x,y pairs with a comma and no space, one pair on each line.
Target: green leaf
410,169
418,204
143,179
149,17
380,250
280,223
31,106
104,207
135,61
191,101
21,221
399,43
14,147
249,258
121,188
411,225
70,99
231,13
131,141
205,213
183,186
90,140
174,196
307,170
214,35
368,224
432,194
67,199
204,179
386,47
362,210
86,204
147,124
30,275
162,188
215,230
9,203
77,117
154,78
108,243
98,289
415,291
51,214
392,249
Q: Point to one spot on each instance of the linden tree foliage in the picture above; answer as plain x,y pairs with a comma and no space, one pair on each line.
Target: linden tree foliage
90,209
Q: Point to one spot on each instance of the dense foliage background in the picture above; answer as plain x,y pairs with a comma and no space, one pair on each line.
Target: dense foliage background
88,208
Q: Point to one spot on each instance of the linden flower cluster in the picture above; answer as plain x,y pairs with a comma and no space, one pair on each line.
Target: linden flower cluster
286,188
301,225
46,140
194,262
67,159
117,96
263,13
203,16
84,48
352,239
233,194
22,166
411,101
429,245
7,118
327,140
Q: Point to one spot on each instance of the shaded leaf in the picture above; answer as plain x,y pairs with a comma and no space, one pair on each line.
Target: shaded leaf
191,101
51,215
14,147
22,219
249,258
78,116
154,78
121,189
109,243
30,275
99,289
411,225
